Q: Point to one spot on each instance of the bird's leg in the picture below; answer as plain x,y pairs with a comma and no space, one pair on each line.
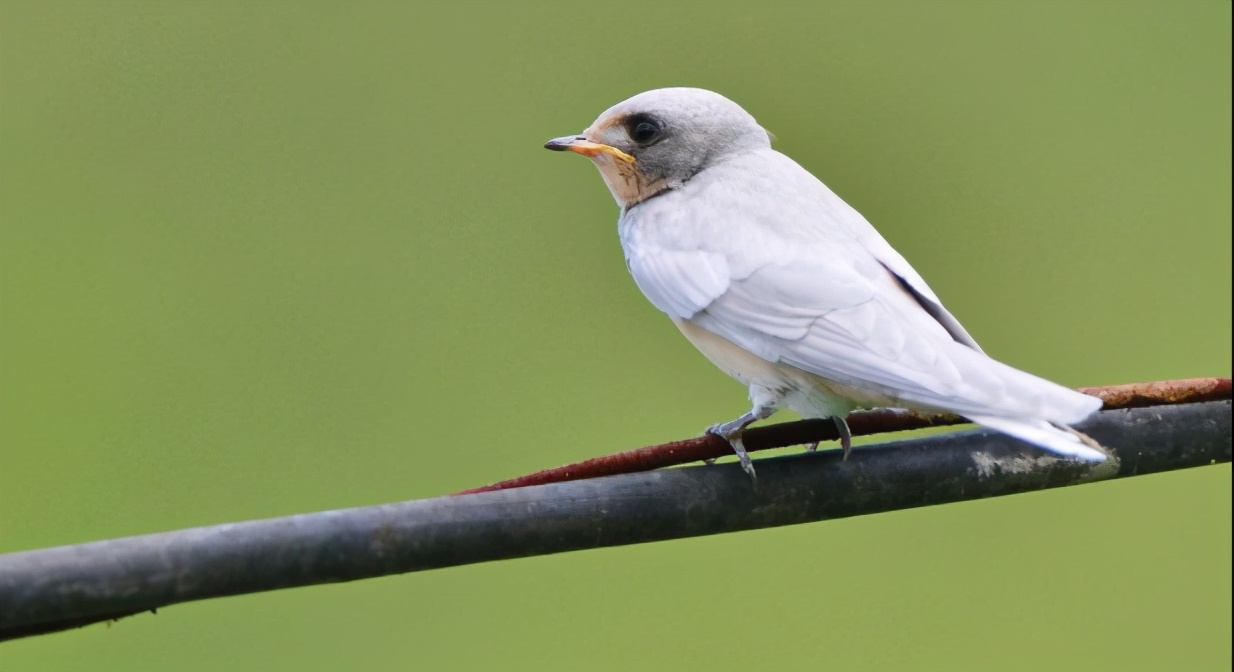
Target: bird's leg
732,430
846,437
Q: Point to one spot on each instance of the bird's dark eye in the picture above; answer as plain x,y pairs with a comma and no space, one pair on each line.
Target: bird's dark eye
644,131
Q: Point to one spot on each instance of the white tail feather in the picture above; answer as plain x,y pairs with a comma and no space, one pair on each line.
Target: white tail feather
1041,433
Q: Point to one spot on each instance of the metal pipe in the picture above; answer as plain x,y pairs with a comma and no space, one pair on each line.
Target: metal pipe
69,586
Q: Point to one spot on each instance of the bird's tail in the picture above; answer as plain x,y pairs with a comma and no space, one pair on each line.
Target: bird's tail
1059,439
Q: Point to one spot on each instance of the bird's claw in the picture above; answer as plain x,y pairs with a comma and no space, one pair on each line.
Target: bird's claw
731,432
846,436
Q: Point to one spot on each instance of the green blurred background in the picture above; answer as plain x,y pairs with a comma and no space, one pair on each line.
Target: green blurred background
266,258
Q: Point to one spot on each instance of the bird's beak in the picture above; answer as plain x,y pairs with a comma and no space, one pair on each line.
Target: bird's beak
581,145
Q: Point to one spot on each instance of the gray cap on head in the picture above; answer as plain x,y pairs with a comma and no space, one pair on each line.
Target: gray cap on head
683,131
667,136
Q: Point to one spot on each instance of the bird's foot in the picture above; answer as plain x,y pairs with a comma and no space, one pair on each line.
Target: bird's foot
731,431
846,437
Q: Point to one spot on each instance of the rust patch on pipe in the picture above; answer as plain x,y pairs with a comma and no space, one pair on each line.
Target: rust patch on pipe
1184,391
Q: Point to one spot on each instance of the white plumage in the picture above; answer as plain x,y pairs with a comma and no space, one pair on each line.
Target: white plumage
788,289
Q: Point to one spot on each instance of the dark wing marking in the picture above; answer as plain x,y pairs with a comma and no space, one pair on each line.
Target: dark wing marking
938,312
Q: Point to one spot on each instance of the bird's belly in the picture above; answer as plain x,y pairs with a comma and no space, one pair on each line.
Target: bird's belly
736,361
810,395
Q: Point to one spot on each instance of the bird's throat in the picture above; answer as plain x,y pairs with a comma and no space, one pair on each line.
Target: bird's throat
626,183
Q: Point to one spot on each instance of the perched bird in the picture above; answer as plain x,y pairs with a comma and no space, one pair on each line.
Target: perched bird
786,288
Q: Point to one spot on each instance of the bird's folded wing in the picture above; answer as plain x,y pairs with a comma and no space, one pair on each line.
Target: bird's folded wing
841,314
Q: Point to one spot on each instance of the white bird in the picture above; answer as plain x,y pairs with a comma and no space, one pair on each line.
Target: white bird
786,288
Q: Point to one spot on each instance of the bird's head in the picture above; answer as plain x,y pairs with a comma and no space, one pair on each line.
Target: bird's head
660,139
